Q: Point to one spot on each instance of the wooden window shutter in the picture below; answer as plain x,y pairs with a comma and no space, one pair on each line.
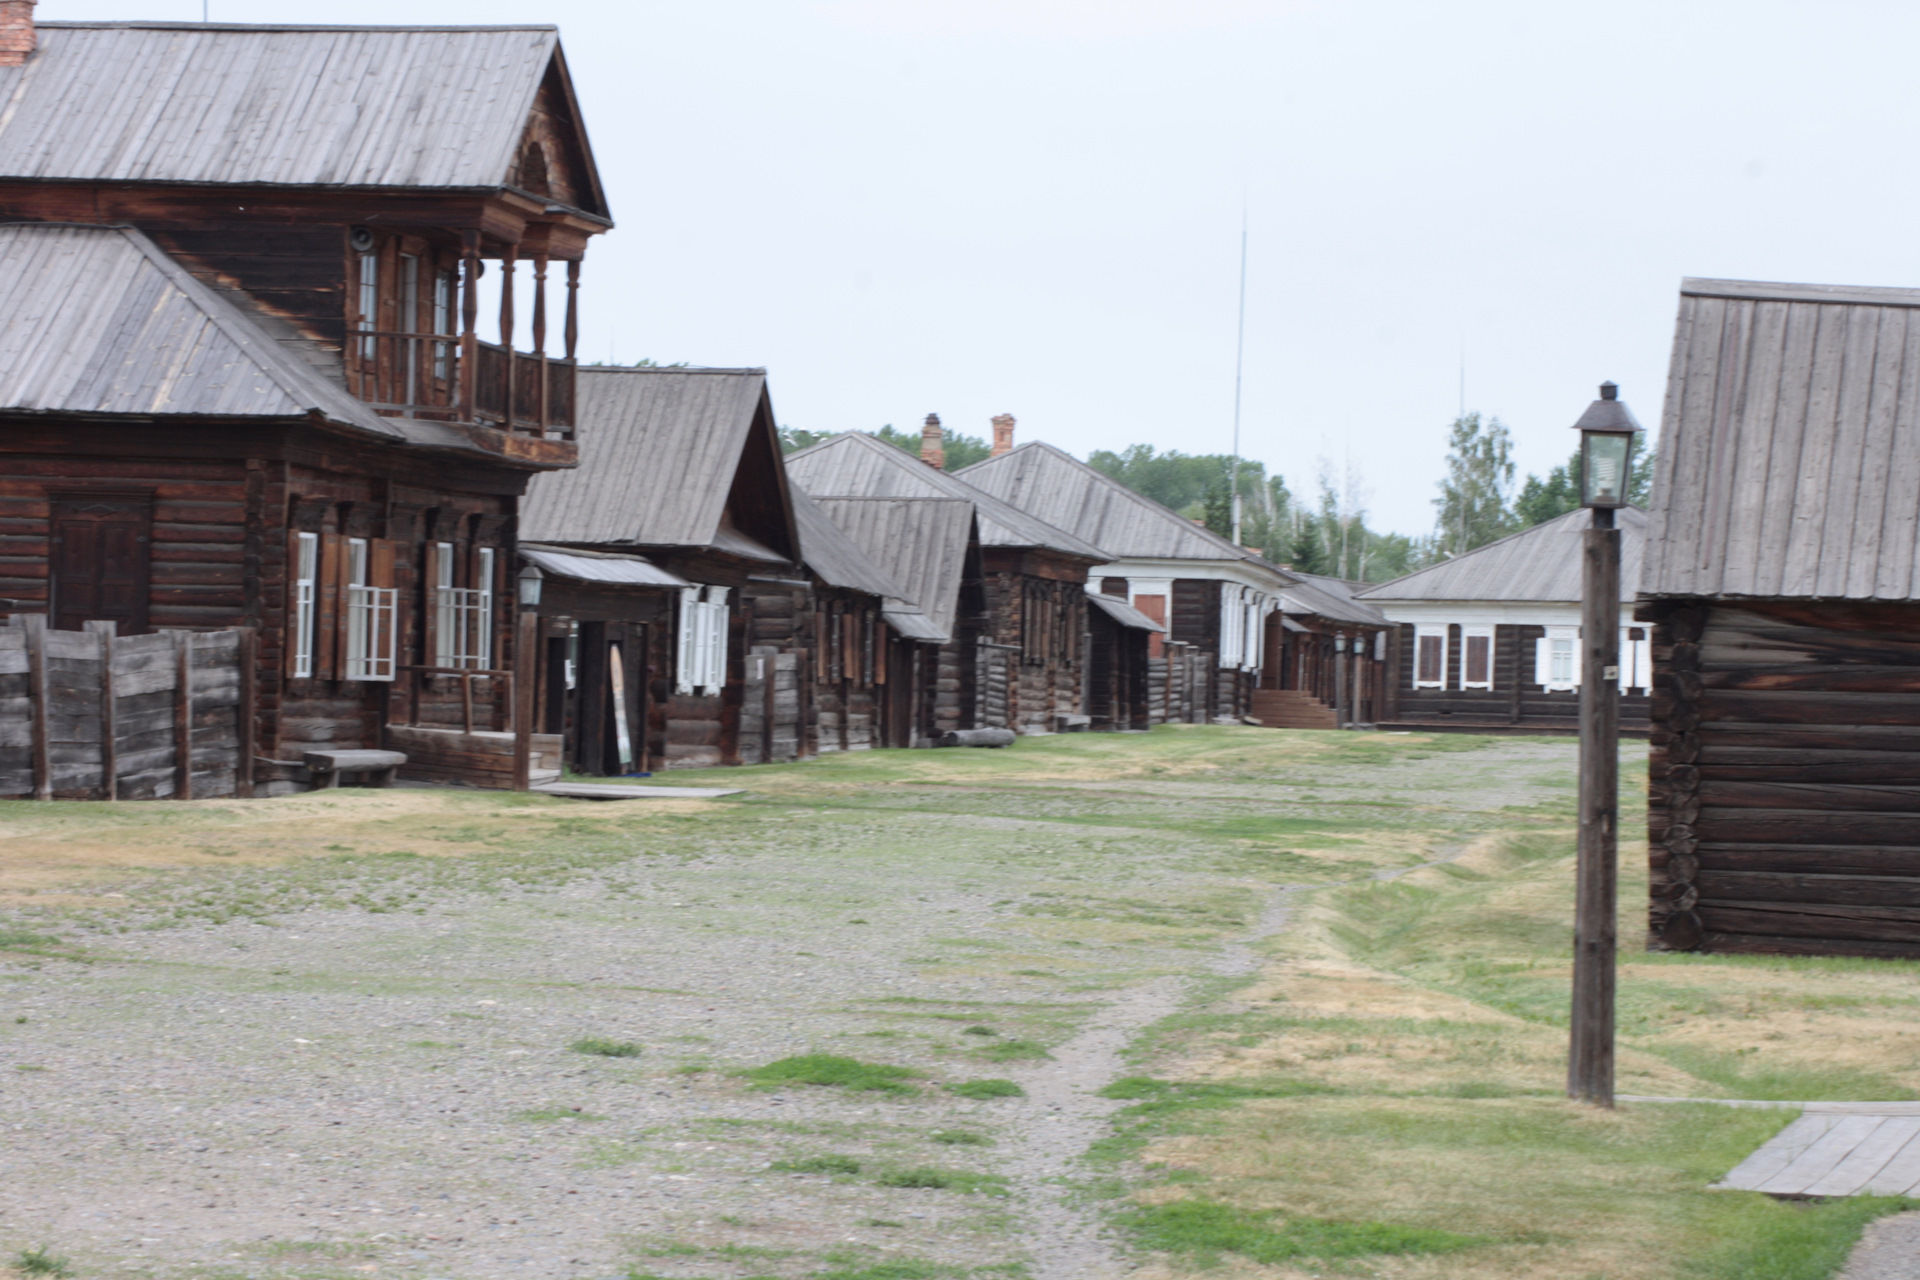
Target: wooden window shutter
430,601
823,623
328,651
849,646
879,651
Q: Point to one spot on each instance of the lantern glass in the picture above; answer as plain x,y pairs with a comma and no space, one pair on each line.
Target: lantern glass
529,586
1603,468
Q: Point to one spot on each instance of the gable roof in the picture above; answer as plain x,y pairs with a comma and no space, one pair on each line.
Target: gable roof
829,552
1062,490
920,543
856,464
96,319
1541,564
1318,595
1790,446
414,107
659,450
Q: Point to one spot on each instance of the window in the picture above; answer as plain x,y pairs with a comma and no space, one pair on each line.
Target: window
1430,656
411,392
1556,662
1476,657
462,616
1636,660
306,585
443,295
370,619
702,649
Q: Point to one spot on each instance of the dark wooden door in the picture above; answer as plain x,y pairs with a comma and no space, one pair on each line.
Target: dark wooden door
100,560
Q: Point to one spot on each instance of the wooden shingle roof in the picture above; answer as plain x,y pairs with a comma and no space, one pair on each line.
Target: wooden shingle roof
919,543
1537,565
1790,447
213,103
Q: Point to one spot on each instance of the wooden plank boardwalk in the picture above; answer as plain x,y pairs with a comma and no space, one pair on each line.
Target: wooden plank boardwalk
1837,1149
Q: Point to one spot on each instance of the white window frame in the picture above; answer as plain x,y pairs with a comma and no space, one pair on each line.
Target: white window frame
1468,631
369,304
1557,642
1421,630
463,616
370,616
701,651
716,670
306,605
1636,660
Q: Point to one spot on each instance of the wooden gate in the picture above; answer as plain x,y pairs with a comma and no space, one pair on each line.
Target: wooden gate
994,685
91,715
770,720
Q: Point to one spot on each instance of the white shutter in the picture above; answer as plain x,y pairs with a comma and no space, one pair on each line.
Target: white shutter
690,614
1542,662
716,673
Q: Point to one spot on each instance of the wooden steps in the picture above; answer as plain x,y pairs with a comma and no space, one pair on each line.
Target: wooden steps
1291,709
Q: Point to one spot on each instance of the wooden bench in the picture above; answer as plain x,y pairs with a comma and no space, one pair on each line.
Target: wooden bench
329,767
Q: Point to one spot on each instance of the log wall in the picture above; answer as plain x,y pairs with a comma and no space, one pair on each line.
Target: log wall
1784,778
1516,700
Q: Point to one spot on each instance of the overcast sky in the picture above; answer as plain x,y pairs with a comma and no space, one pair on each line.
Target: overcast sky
1033,206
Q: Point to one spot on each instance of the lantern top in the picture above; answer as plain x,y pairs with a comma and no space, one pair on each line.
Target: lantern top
1609,413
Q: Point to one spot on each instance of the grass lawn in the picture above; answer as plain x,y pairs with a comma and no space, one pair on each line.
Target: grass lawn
823,1028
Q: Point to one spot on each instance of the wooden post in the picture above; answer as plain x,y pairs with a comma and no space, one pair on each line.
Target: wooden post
249,710
183,716
573,308
466,701
526,655
508,260
540,331
109,753
1590,1059
469,322
39,698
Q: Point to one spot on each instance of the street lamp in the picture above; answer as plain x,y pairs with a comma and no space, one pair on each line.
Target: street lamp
528,584
1606,432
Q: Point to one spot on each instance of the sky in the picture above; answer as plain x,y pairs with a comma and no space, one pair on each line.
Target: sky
1034,207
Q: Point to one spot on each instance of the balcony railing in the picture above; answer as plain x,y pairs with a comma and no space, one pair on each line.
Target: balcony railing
418,375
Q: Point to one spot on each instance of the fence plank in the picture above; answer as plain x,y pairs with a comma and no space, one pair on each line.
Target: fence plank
36,628
109,744
183,718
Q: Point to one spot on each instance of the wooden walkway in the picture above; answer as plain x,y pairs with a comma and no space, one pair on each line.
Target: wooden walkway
1837,1149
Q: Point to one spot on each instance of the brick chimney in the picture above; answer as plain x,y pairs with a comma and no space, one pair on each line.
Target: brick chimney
933,446
16,32
1002,434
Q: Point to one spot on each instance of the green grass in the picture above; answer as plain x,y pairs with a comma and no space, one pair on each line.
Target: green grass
983,1089
830,1071
40,1262
924,1179
960,1138
1763,1239
606,1048
1014,1051
818,1164
22,940
1205,1229
545,1115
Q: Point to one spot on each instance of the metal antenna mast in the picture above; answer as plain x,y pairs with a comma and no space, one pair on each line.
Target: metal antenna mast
1239,364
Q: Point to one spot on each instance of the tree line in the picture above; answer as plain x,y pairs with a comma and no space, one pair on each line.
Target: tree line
1325,531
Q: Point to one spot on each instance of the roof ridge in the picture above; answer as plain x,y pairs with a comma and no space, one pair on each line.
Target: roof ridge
742,371
154,24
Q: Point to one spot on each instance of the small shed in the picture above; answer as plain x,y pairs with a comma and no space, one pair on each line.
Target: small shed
1782,584
1488,642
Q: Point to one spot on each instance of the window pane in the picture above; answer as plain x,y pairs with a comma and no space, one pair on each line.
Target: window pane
1431,661
1478,664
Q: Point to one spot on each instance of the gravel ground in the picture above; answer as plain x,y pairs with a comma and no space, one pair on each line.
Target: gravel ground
1890,1250
361,1064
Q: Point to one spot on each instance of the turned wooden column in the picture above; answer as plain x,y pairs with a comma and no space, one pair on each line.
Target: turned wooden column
540,331
508,260
469,321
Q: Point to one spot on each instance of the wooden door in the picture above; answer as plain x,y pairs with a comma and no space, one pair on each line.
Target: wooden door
100,561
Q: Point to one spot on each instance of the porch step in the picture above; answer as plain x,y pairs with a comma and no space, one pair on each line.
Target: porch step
1292,709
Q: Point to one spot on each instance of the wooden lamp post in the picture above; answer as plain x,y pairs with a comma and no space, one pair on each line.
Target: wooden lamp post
1607,431
526,668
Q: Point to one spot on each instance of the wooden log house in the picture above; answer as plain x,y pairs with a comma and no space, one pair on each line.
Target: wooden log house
1782,585
930,549
1212,597
1488,642
1328,663
240,361
682,468
1030,651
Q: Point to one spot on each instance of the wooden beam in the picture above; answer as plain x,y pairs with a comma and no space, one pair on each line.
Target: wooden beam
573,309
183,716
248,711
1590,1060
508,261
540,331
526,656
39,697
109,744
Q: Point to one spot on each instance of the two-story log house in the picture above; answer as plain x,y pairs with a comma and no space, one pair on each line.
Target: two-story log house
269,403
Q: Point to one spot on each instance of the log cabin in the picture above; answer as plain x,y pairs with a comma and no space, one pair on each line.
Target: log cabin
1213,598
1030,652
243,379
1488,642
1328,657
1782,585
682,468
929,548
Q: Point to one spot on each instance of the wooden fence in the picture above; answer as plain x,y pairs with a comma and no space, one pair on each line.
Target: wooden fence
91,715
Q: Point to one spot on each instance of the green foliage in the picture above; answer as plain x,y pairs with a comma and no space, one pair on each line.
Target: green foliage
983,1089
819,1164
831,1071
606,1048
1474,497
794,439
1178,481
961,450
1205,1228
39,1262
1542,500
